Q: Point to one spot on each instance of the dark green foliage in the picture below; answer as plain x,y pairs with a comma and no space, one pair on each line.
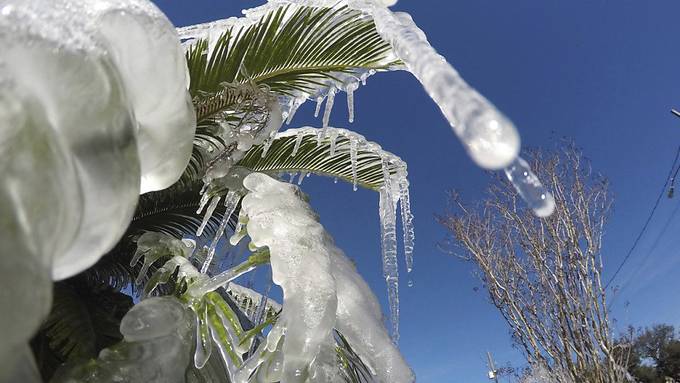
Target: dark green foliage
290,49
81,323
652,354
171,211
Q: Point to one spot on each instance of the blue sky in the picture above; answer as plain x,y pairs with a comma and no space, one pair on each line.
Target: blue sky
602,72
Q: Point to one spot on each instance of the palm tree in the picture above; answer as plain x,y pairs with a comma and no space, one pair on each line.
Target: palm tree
291,53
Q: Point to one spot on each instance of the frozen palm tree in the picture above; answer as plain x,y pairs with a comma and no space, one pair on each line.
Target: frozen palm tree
245,77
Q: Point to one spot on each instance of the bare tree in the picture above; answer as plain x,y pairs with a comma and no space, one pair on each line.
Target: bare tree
544,275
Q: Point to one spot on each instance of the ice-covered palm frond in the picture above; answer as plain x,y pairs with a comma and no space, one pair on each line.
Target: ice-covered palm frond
293,50
172,212
331,152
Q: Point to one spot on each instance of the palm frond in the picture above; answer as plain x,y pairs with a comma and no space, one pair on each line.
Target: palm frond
290,49
313,155
172,212
81,323
352,367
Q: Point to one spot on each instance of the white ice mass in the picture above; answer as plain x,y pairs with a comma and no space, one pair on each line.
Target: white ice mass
86,117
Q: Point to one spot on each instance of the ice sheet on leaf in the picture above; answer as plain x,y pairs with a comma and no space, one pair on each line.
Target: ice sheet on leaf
321,288
83,112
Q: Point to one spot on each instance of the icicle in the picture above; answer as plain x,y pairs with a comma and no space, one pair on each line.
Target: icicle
205,197
334,139
406,220
268,144
335,180
292,177
388,235
208,214
293,109
298,141
350,100
329,107
319,100
302,177
220,280
489,137
530,188
230,203
353,158
320,136
203,339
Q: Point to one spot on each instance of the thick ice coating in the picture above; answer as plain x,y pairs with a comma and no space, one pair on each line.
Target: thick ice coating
92,93
321,288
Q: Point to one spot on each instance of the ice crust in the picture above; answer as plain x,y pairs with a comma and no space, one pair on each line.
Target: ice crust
158,335
322,290
92,93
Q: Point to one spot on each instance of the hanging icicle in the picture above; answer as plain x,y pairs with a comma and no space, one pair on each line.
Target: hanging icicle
319,100
388,236
208,214
529,187
350,99
353,159
298,141
406,219
230,203
329,106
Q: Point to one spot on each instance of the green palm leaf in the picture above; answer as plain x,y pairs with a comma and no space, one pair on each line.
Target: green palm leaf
172,212
290,49
81,323
314,156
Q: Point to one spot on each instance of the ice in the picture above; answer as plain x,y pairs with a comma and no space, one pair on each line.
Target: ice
333,139
350,99
528,186
208,213
293,109
298,141
319,100
153,246
302,177
321,288
353,144
406,220
329,107
388,235
156,348
230,202
77,138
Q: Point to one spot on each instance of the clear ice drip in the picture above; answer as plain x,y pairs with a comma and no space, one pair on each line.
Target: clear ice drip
208,213
388,236
350,100
298,141
319,101
230,203
528,186
353,159
330,101
489,137
406,221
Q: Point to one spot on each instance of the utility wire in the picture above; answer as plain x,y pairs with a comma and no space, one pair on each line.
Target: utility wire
649,253
649,219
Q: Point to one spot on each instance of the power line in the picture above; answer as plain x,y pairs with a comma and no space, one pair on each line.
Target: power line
649,253
649,219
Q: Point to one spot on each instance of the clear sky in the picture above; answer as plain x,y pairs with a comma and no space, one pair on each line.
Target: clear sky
602,72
